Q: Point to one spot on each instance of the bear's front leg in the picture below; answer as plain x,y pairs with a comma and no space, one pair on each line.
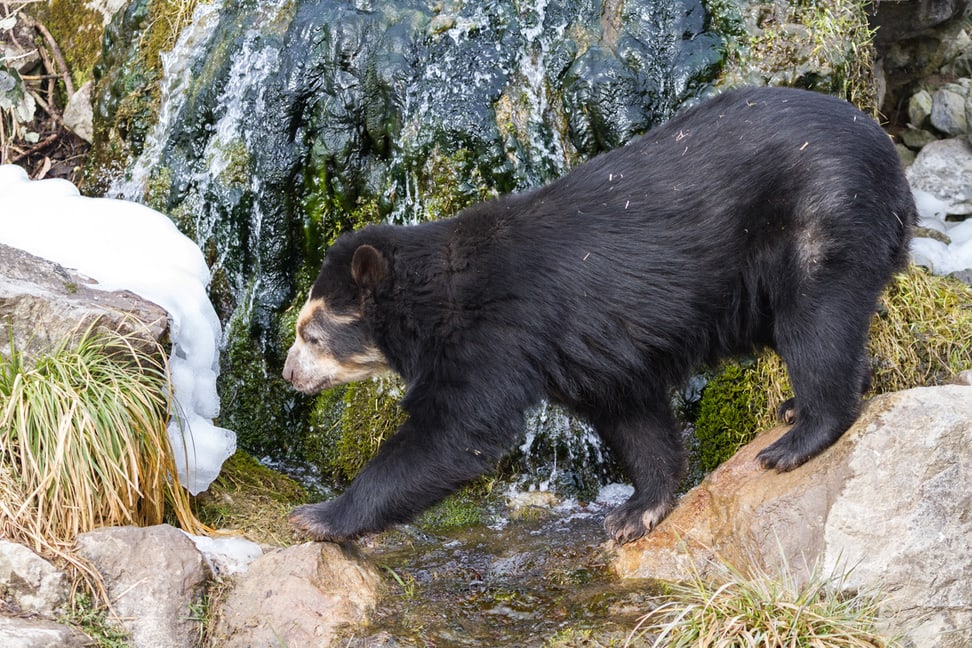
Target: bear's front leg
415,469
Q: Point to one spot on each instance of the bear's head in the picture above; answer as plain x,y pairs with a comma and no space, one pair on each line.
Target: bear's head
333,345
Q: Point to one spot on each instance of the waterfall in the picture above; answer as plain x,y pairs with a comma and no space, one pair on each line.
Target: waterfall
177,74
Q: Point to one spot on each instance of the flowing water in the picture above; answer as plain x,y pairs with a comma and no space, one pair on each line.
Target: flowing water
520,582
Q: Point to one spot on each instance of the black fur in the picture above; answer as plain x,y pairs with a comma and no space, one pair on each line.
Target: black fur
764,217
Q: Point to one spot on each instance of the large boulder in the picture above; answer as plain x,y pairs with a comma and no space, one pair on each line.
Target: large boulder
298,596
30,582
42,303
889,502
154,576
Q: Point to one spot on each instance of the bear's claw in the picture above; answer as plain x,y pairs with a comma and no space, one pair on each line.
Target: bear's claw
787,411
782,455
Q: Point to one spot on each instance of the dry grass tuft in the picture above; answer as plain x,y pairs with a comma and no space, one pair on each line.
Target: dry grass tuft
83,444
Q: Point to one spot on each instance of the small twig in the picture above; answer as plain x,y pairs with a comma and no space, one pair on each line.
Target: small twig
49,109
39,77
39,146
49,66
58,55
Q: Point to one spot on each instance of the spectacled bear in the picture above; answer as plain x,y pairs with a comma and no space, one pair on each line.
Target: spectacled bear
761,218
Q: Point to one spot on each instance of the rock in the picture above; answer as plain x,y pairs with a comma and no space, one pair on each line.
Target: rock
38,633
917,39
904,19
298,596
944,170
108,8
919,108
968,112
30,582
964,276
78,114
17,49
41,303
958,55
948,111
153,575
905,154
916,139
888,502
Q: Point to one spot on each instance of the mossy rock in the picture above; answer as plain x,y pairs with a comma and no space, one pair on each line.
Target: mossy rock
463,509
819,45
252,499
728,415
348,425
78,30
128,73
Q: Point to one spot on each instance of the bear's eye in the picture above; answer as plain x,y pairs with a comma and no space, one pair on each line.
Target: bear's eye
312,339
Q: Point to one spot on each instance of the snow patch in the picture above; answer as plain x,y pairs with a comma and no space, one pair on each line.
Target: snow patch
127,246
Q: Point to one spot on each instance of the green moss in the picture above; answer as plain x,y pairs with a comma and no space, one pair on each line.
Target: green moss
728,412
463,509
157,188
348,425
233,164
256,401
78,31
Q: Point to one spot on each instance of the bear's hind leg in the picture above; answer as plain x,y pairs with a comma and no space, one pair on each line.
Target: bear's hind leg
787,411
823,346
651,452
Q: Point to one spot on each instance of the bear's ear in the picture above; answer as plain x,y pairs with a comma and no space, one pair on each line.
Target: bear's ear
368,267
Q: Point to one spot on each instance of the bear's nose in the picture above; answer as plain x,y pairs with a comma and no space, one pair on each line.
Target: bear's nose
288,370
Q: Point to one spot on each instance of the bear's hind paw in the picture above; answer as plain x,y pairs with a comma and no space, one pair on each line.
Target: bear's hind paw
787,411
632,520
786,453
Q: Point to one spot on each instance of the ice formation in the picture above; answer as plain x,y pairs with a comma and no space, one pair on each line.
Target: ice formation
127,246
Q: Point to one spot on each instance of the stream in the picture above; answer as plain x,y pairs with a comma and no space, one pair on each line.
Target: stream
542,578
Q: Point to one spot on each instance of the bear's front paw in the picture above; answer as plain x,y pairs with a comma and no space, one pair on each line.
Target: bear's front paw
318,521
632,520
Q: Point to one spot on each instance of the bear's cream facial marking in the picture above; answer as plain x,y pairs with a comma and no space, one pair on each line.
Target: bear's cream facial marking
330,349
